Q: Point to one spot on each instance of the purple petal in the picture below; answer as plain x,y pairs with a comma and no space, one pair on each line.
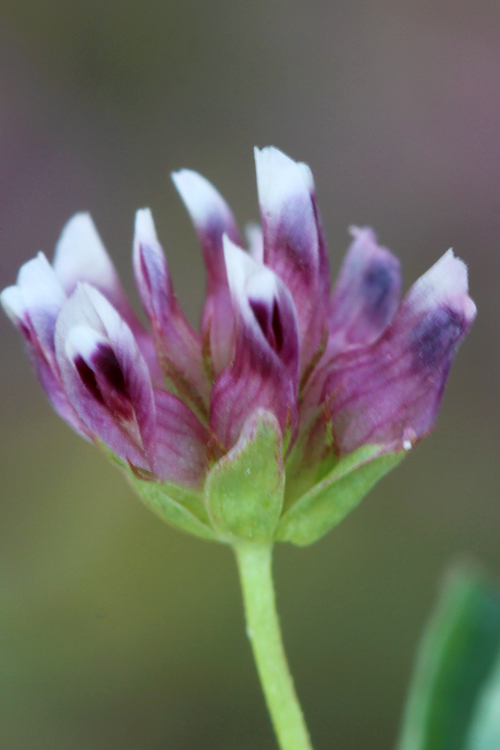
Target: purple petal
178,345
33,306
12,301
363,302
81,257
105,375
53,387
294,245
212,219
39,301
181,442
366,295
390,392
264,371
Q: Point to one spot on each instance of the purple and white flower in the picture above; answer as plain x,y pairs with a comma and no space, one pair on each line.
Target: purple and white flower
169,401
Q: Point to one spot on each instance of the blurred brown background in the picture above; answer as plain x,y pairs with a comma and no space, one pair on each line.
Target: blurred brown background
116,632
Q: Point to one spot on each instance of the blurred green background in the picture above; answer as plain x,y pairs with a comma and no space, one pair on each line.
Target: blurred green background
116,632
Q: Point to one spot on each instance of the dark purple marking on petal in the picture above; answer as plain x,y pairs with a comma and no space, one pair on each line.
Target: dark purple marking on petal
277,327
106,382
270,323
261,312
435,338
88,378
378,286
108,367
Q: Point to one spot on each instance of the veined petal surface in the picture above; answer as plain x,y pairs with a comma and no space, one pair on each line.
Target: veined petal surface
390,392
362,304
264,371
178,345
33,305
105,375
294,246
181,442
212,218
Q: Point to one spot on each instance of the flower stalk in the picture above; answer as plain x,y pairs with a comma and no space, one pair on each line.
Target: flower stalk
263,629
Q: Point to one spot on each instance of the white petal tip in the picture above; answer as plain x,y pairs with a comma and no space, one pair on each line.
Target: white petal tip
80,227
445,282
362,233
145,230
82,340
12,303
279,177
200,197
255,241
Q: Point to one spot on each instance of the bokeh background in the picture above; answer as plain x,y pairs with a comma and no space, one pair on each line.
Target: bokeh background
116,632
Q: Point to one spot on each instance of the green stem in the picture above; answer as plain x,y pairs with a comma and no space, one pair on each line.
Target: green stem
255,563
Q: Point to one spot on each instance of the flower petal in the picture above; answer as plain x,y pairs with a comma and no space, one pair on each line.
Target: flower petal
264,371
366,295
177,344
390,391
42,298
212,218
255,241
81,257
294,245
181,442
105,376
33,306
363,302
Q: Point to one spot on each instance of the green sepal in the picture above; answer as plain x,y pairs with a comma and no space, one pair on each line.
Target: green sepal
329,501
244,490
449,706
178,506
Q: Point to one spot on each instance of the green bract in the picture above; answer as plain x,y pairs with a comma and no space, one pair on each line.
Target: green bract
245,489
330,500
246,496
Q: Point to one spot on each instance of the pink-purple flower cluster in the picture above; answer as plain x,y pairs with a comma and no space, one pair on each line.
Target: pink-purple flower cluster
354,364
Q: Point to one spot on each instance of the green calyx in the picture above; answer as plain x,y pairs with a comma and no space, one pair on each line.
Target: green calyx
248,495
245,489
324,506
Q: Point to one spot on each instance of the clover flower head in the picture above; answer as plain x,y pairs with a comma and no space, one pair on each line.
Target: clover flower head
301,385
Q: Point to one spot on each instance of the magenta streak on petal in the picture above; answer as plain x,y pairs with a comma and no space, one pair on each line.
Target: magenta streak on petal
212,218
176,341
294,244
